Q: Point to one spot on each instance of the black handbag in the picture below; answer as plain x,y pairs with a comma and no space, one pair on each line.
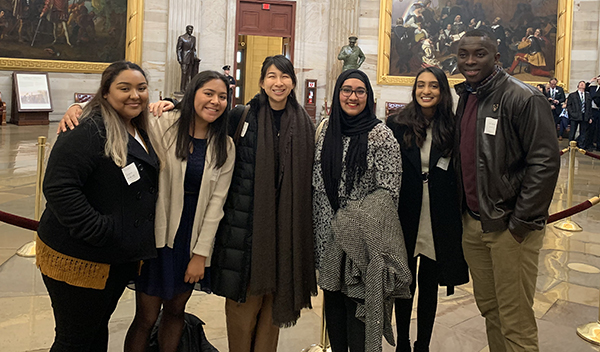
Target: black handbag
193,338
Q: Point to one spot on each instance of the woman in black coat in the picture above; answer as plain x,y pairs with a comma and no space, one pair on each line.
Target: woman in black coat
429,211
98,225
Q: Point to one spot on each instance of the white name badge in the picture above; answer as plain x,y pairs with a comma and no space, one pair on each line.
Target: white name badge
244,129
490,126
131,173
443,163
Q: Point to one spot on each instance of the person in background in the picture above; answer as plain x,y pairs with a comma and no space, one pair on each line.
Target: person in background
556,97
232,83
100,186
594,90
579,105
429,210
564,121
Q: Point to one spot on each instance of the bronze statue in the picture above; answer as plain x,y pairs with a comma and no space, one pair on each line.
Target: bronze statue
351,54
187,57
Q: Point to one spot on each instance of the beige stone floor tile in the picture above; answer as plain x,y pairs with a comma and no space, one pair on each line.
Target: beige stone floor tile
5,254
6,197
541,304
13,236
573,293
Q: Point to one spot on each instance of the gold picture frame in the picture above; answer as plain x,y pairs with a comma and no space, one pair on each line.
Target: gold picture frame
562,51
133,50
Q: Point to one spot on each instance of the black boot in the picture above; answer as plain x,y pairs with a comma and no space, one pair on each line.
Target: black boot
421,347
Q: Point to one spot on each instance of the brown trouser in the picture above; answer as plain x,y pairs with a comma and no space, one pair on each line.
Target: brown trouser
250,325
504,274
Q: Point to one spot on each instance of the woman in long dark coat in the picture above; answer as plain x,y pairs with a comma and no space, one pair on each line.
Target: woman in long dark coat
428,209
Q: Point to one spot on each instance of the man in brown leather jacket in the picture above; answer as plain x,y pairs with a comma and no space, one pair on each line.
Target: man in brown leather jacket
507,161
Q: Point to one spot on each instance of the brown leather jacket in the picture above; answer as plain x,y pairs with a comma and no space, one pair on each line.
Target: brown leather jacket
517,164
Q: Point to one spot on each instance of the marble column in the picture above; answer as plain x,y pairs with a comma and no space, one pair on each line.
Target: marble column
585,55
343,19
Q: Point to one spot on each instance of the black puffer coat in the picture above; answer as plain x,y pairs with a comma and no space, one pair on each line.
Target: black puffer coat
230,265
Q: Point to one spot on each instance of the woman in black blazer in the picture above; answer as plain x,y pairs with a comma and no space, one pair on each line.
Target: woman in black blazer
101,187
428,209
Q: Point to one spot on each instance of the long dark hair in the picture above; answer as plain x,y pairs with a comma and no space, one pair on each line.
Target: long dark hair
443,119
284,65
217,130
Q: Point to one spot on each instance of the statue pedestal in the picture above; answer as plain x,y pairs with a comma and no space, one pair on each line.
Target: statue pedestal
177,95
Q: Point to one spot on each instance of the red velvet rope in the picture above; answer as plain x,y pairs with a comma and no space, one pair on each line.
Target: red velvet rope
19,221
33,225
569,212
592,155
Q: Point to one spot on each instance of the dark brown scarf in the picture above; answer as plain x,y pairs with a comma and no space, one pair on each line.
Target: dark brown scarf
282,239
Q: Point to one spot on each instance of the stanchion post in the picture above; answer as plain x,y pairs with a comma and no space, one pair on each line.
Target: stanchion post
28,249
568,224
591,331
324,345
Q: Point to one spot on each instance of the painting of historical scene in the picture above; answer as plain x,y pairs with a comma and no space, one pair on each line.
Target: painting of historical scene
71,30
426,33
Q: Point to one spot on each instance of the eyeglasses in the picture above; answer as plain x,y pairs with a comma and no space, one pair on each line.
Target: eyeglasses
347,92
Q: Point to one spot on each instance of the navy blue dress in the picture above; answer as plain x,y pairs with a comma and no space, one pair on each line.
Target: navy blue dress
163,276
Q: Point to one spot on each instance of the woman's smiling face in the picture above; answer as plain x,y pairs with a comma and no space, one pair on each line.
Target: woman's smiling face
353,96
278,86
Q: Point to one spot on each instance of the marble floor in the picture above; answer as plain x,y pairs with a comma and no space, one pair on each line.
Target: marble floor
567,287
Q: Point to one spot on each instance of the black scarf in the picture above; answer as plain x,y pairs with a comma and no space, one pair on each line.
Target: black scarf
355,127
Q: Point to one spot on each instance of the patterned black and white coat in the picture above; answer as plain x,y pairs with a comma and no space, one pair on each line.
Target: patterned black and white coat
384,170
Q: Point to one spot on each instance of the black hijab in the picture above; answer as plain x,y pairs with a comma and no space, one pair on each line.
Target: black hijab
357,128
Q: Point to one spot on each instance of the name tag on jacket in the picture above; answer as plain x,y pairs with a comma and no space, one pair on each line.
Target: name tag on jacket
131,173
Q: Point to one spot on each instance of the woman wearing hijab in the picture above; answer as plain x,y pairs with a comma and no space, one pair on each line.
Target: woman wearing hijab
355,155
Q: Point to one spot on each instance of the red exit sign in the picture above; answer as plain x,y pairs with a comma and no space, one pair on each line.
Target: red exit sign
266,6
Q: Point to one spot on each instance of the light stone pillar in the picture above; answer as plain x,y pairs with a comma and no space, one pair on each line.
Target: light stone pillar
181,14
343,22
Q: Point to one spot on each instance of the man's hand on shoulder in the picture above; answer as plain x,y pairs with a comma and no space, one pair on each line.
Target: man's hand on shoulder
159,107
70,119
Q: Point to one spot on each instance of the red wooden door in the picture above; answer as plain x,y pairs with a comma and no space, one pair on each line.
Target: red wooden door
276,18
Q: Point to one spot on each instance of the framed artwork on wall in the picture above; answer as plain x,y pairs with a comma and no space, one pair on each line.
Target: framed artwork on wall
534,37
32,91
69,35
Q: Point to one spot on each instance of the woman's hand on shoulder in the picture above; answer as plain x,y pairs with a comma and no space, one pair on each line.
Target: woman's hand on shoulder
195,269
70,119
160,106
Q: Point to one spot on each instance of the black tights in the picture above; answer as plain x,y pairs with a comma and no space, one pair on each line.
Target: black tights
147,309
426,306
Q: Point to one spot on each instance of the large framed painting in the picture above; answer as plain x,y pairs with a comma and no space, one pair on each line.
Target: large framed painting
534,37
69,35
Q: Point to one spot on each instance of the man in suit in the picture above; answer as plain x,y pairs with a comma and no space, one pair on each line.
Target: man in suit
579,106
556,96
594,90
